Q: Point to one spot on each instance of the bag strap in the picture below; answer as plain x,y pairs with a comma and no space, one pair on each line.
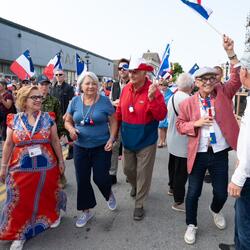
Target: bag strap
174,106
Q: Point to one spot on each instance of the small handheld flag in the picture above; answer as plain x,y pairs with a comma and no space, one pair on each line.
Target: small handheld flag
196,5
23,66
164,66
193,69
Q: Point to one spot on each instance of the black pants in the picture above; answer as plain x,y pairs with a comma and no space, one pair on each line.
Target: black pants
86,159
177,176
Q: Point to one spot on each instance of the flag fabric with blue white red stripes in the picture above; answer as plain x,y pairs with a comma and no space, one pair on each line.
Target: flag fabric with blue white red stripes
80,65
193,69
165,66
53,65
198,7
23,66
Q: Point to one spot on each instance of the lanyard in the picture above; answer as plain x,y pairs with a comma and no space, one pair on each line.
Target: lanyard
89,109
34,128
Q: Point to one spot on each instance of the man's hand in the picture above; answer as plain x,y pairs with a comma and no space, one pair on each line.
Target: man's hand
151,91
116,102
234,190
228,45
203,121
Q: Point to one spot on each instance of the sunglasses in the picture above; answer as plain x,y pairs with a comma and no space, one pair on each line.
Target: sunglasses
36,97
59,74
124,67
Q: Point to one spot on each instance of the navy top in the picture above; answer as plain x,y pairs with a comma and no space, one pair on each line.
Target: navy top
97,134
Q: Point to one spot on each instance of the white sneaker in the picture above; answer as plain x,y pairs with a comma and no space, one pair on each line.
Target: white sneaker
190,235
83,219
56,223
219,219
17,245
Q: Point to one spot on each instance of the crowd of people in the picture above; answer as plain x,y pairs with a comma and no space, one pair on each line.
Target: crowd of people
198,127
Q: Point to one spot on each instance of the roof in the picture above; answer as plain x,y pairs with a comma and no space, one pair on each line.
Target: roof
34,32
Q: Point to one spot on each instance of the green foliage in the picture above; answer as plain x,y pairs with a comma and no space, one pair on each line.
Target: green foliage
176,69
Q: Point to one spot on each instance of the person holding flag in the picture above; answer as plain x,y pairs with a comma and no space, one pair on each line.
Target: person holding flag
208,120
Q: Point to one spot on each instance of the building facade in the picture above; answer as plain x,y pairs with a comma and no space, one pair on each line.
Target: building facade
15,39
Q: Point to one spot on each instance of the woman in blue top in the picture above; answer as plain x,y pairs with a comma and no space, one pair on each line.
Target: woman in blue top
92,126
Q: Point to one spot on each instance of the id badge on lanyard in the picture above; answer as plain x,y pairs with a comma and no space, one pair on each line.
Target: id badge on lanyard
33,150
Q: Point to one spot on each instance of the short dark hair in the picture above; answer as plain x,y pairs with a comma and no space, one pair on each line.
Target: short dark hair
123,60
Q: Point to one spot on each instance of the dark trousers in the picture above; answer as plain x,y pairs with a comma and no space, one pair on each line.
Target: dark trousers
177,176
171,171
86,159
242,218
180,179
217,165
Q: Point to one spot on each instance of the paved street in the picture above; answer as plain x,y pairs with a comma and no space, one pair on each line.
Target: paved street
162,227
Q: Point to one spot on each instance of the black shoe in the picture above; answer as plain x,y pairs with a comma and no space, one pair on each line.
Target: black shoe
113,179
133,192
226,246
139,213
70,153
207,178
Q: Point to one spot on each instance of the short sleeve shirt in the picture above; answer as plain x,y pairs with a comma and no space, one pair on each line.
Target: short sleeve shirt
95,135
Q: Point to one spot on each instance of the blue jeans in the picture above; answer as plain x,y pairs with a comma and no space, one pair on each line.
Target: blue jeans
86,159
242,218
217,165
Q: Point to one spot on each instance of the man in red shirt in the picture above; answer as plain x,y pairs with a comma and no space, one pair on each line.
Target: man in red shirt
140,109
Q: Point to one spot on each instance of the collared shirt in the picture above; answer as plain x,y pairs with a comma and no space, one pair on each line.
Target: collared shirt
221,142
243,148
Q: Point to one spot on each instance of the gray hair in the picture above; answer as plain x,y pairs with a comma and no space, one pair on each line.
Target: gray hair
92,75
185,81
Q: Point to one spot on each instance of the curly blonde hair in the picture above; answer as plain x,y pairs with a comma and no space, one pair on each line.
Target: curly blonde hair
22,95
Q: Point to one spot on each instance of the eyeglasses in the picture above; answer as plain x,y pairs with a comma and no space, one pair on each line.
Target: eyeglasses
36,97
59,74
206,79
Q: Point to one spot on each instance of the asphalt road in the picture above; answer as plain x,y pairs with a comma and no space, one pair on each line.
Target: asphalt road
162,228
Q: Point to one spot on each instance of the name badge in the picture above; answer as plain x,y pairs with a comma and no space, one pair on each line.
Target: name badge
34,151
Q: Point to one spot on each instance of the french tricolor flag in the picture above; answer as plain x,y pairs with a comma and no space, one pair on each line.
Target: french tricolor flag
198,7
23,66
53,65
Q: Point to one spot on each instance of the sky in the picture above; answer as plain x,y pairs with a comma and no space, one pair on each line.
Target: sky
116,29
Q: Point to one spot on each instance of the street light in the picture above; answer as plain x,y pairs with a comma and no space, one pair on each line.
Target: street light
87,60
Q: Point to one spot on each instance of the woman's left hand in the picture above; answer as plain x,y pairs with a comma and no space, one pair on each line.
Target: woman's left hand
109,145
61,166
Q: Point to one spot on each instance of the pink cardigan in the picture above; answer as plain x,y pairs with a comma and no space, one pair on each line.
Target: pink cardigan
189,112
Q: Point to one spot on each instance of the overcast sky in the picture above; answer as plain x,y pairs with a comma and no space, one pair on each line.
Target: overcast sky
115,28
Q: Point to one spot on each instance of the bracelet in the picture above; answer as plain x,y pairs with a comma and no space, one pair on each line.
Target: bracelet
61,161
4,165
232,57
112,138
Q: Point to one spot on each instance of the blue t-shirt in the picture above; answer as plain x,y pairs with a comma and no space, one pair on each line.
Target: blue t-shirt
91,135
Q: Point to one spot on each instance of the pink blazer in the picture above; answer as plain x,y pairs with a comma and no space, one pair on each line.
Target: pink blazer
189,112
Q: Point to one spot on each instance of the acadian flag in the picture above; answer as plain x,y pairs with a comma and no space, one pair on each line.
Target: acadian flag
165,66
196,6
80,65
53,65
193,69
23,66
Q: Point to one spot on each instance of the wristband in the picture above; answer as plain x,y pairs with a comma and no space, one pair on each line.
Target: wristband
232,57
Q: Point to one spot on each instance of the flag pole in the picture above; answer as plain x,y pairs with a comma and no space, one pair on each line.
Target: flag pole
209,24
217,31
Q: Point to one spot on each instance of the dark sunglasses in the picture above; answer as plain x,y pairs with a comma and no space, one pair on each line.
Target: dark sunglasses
36,97
124,67
59,74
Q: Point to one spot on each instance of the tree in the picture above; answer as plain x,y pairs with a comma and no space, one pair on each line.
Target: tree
176,69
